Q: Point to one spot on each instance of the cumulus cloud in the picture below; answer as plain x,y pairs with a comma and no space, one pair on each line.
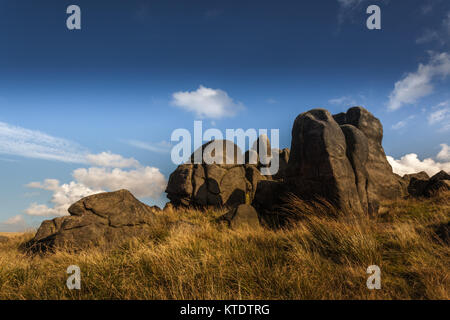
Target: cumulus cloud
411,163
143,182
419,84
63,196
444,154
111,160
207,103
23,142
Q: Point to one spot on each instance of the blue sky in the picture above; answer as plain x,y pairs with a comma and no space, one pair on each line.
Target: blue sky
94,108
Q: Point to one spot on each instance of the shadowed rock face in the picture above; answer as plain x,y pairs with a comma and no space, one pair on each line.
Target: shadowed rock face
104,218
438,183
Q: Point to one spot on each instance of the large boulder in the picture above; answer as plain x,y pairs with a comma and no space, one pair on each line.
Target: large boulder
100,219
339,159
416,183
384,184
318,164
438,183
221,179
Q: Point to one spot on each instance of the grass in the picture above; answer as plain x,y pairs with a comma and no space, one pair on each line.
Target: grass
189,256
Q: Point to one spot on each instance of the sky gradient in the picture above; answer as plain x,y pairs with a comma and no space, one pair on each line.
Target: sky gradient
91,110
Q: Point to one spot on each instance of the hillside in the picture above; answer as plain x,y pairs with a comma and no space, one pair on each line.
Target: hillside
187,255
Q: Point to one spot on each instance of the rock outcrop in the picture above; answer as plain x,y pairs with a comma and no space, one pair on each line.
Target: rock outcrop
214,183
100,219
383,183
421,185
440,182
336,158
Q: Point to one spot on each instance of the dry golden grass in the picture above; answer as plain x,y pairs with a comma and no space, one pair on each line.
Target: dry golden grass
322,257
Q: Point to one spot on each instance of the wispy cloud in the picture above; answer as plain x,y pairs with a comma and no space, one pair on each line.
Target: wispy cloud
349,8
28,143
207,103
403,123
419,84
14,224
440,116
439,34
343,101
111,160
159,147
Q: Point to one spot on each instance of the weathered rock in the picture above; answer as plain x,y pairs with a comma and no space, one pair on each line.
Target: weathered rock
415,183
420,185
339,159
384,184
318,165
421,176
100,219
225,183
440,182
283,163
358,154
243,215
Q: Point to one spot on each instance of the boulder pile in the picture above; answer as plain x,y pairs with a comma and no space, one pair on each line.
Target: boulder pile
337,159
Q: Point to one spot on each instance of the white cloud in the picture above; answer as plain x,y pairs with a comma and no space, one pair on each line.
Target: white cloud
419,84
13,224
428,36
207,103
403,123
441,116
160,147
145,182
411,163
35,144
14,220
111,160
141,181
444,154
63,196
345,100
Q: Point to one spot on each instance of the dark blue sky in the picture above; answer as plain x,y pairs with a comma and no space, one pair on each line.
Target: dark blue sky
112,81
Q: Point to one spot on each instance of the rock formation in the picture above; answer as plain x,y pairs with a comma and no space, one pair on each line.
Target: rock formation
225,183
337,158
384,184
104,218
